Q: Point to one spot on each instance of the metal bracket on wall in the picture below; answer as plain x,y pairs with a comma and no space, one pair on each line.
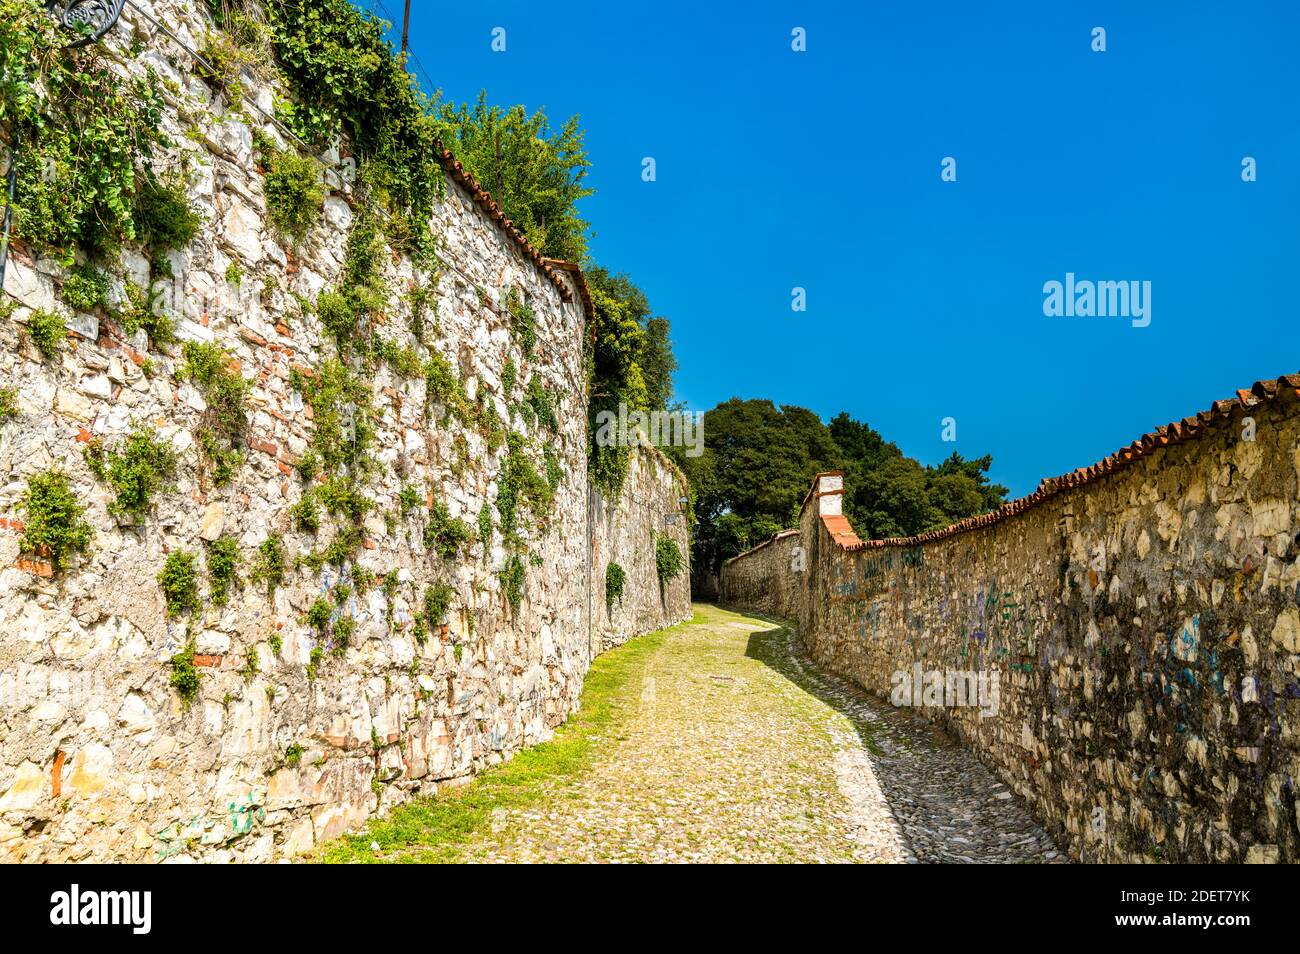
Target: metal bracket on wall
89,19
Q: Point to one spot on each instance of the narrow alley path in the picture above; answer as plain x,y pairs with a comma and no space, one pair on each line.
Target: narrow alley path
719,740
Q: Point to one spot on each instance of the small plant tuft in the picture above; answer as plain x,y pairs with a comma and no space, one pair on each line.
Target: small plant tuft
47,331
614,580
185,676
55,520
223,568
179,580
269,567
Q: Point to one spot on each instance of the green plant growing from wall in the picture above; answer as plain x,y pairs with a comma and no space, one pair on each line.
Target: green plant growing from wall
140,311
614,580
292,188
164,219
542,402
185,677
408,499
269,566
313,663
554,469
442,386
437,600
85,289
136,470
523,322
293,754
319,614
8,404
223,568
341,413
389,586
234,274
485,527
47,331
223,425
252,664
512,581
308,465
444,534
87,135
54,519
509,375
668,558
179,580
343,627
519,484
305,514
341,497
223,62
347,311
362,579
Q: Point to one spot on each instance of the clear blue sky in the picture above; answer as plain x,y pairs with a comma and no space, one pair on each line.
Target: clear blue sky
822,170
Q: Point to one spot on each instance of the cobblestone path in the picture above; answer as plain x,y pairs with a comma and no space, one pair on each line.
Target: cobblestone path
730,745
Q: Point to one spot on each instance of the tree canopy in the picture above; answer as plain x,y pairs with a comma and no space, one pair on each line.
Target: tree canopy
759,460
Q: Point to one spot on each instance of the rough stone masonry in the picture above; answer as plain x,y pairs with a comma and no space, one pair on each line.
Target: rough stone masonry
100,759
1143,617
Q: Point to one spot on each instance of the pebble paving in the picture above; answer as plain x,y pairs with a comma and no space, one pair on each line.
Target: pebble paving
742,750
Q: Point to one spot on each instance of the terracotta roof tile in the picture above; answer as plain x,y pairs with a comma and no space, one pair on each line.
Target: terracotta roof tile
1176,431
484,200
1161,437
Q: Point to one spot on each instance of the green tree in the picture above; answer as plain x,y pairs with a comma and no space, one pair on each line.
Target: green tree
757,464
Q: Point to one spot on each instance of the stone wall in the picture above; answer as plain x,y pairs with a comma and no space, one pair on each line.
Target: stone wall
1141,616
623,531
100,759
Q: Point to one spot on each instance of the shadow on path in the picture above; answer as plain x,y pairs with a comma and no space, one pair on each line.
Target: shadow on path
949,805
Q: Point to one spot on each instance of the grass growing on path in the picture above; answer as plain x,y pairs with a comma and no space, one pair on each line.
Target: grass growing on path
435,829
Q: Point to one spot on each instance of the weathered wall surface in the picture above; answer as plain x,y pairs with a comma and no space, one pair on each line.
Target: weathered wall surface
1142,616
99,757
623,531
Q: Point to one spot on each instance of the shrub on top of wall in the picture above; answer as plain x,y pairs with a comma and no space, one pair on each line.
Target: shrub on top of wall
55,521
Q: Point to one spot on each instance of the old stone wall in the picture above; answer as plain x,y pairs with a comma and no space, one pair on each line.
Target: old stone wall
295,735
623,532
1141,617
